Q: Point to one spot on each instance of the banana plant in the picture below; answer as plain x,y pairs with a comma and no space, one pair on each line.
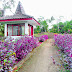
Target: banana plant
1,29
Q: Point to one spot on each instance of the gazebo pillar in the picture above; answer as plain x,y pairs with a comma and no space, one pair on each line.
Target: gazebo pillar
5,33
26,28
33,30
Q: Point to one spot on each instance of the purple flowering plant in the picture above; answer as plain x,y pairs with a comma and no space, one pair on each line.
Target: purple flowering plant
7,54
24,45
64,43
43,38
12,51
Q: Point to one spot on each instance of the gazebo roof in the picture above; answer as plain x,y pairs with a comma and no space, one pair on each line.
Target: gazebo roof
20,9
19,14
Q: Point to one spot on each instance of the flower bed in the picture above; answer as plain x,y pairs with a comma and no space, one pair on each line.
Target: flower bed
64,43
43,38
11,52
7,55
24,45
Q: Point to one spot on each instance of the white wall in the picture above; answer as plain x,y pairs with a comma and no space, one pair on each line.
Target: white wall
26,31
15,37
5,30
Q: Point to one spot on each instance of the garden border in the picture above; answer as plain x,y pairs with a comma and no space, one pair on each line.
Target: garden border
20,63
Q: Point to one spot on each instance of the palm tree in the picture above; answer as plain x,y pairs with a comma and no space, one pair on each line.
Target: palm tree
51,19
59,21
43,23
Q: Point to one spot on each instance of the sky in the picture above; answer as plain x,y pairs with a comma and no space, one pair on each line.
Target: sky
46,8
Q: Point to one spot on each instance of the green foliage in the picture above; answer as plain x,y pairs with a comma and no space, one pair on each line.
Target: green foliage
65,27
0,13
2,29
43,26
37,30
52,19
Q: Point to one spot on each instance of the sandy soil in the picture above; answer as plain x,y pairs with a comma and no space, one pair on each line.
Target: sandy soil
41,60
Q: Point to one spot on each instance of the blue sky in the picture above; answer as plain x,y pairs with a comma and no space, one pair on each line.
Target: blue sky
46,8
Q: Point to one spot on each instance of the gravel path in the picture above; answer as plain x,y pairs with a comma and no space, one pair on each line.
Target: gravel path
41,60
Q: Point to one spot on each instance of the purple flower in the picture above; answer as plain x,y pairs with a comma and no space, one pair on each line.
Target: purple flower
43,38
64,43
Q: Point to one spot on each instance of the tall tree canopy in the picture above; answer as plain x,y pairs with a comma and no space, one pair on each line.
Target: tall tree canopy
65,27
43,25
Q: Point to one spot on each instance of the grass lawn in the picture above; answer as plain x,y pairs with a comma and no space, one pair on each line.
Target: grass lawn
50,35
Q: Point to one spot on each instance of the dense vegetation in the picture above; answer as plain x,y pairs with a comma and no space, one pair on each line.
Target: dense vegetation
43,26
2,29
64,44
12,51
65,27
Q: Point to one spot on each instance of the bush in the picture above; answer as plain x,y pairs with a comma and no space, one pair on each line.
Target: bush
7,54
43,38
24,45
10,51
64,43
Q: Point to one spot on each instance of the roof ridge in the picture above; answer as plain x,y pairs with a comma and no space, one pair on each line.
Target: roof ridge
19,9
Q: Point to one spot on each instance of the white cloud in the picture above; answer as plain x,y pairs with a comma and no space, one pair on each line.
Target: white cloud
1,4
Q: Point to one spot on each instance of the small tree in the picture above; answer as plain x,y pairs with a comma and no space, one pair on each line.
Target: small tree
43,24
51,20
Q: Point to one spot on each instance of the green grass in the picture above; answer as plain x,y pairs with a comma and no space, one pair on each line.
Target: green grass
40,34
50,35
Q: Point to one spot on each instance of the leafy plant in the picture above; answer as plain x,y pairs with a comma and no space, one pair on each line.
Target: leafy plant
24,45
7,55
64,43
12,51
43,38
65,27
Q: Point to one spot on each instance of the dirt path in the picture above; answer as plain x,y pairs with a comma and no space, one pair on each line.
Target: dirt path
41,60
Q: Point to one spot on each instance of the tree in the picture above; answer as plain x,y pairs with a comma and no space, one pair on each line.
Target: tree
65,27
43,25
1,13
51,20
8,4
59,19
